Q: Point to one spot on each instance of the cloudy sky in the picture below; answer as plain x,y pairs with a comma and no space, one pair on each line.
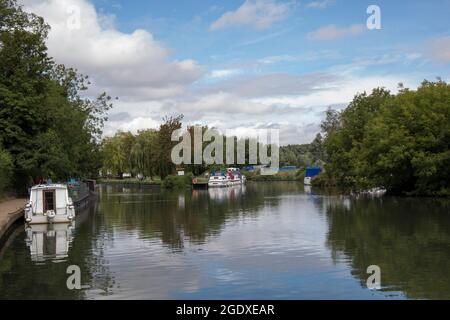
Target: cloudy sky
244,64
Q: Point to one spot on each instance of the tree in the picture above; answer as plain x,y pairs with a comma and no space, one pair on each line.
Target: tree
165,144
345,132
117,153
46,125
317,149
303,155
400,142
6,167
24,68
144,153
407,145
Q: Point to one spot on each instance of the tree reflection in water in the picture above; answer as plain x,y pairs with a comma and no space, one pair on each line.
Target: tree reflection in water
265,240
408,238
179,216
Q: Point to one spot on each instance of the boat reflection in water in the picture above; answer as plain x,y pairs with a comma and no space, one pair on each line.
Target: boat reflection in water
225,194
49,241
308,190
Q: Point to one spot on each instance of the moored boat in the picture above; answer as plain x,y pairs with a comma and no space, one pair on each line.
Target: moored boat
219,180
231,177
49,203
235,176
311,173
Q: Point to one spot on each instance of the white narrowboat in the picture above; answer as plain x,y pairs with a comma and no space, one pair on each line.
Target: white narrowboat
49,203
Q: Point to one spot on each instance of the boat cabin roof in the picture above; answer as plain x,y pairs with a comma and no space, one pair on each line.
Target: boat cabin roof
49,187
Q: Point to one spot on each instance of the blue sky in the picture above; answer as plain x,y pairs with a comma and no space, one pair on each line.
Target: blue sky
185,27
242,65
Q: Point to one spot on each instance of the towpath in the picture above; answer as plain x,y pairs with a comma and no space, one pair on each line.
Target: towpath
10,212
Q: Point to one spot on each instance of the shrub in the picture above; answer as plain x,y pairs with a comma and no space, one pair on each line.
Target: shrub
324,180
178,182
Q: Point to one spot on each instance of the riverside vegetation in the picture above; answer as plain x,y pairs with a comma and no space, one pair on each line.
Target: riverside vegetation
147,154
48,128
398,141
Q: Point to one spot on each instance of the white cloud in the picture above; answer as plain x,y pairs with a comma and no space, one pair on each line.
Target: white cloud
258,14
224,73
296,113
440,49
139,69
132,66
219,103
305,56
139,123
332,32
321,4
289,133
343,92
274,84
277,59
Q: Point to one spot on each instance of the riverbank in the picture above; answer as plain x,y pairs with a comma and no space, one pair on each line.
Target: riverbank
185,182
298,175
170,182
136,182
10,212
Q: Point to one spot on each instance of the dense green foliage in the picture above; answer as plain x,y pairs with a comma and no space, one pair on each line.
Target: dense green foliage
178,182
303,155
147,153
294,175
46,126
6,168
156,181
398,141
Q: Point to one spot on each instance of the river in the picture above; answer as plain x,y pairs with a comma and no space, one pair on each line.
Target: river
262,241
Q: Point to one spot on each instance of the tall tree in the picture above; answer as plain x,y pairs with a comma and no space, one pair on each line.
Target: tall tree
165,144
400,142
46,125
407,145
345,132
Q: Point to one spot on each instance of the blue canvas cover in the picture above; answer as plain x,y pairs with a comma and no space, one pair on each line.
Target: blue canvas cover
313,171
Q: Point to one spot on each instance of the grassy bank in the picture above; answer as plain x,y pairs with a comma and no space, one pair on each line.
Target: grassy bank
137,182
185,182
280,176
170,182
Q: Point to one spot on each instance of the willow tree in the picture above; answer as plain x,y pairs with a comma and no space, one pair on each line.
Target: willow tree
117,153
144,153
165,144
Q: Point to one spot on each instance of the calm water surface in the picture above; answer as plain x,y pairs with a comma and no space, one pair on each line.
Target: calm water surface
261,241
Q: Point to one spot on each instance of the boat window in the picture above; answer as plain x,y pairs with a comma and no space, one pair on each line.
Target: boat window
49,200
